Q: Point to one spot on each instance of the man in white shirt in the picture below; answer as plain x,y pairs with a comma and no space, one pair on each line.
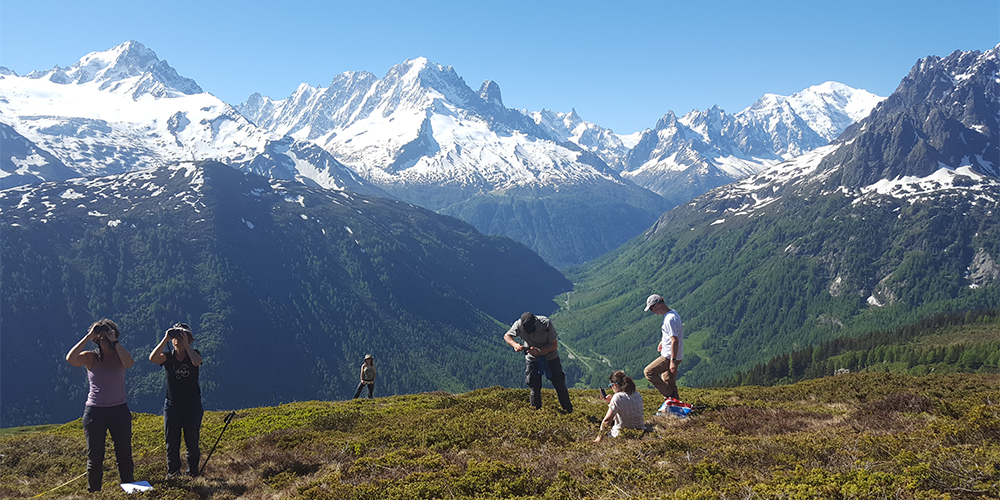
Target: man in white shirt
662,372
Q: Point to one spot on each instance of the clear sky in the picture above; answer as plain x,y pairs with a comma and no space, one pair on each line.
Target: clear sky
621,65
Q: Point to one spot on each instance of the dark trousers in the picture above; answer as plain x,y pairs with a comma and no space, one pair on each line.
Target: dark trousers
97,422
533,377
361,385
183,419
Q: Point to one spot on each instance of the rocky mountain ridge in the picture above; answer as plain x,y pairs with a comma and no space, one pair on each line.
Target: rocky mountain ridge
419,134
893,221
124,109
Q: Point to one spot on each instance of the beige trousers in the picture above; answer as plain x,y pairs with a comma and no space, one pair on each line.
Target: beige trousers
658,373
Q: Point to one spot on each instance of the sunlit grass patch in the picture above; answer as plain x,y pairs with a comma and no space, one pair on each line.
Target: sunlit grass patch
860,436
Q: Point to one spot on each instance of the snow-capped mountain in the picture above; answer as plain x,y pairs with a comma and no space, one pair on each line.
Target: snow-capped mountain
23,163
569,127
826,109
684,157
426,137
419,134
897,215
124,109
934,139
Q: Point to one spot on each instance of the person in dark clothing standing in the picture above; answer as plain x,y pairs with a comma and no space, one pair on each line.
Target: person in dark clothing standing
106,409
367,377
182,409
540,338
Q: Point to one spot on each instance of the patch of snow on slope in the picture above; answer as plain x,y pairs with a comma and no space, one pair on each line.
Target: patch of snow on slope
942,179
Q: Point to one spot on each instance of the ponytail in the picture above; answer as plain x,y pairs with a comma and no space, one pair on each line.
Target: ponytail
623,381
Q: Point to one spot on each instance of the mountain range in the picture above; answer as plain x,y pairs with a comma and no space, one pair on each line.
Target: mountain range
894,221
286,287
124,109
682,158
569,189
291,262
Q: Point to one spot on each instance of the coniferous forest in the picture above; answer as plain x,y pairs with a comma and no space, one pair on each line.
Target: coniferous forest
286,287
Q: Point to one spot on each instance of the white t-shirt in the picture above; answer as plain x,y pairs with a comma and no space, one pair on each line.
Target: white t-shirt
671,328
628,411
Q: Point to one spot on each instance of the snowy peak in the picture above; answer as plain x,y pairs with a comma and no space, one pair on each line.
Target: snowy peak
124,109
130,67
489,91
416,81
569,127
934,138
124,61
684,157
945,114
856,103
422,128
827,109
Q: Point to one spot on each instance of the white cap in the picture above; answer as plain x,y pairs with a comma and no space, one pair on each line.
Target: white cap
652,300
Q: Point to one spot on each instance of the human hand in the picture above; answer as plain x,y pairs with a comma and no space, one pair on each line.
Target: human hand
518,347
102,333
534,351
659,347
598,438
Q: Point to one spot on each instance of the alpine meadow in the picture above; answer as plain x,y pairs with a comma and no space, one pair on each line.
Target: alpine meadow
833,255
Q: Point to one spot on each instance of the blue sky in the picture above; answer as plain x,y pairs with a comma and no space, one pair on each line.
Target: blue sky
621,65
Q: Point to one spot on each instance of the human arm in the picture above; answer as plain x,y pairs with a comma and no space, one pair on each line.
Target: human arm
674,346
545,349
550,336
192,354
123,353
509,337
606,397
77,356
609,417
157,355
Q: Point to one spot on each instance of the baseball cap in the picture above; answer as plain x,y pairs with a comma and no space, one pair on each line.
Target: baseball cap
528,322
653,300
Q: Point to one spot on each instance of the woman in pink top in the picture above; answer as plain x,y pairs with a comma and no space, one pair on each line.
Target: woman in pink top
106,410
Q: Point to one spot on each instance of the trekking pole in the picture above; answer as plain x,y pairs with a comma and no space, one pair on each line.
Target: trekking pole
229,418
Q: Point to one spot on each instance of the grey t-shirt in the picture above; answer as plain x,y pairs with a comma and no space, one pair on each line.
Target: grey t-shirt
543,335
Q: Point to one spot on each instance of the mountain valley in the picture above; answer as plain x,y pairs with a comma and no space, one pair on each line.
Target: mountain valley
413,217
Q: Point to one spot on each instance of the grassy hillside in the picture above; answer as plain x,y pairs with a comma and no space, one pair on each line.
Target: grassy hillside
286,287
851,436
806,271
945,343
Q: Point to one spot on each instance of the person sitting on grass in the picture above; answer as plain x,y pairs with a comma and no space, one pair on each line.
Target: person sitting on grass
624,406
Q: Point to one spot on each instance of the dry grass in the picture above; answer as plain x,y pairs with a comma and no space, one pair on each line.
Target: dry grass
863,436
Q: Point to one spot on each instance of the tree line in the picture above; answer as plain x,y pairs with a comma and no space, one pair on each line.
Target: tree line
882,350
